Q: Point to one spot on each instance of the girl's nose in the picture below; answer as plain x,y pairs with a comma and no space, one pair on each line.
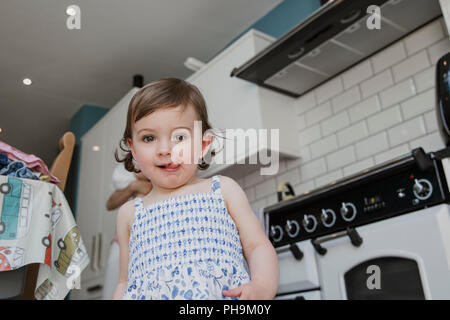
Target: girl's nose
164,147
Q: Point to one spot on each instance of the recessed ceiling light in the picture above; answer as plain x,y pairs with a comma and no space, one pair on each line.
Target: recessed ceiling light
27,81
95,148
71,11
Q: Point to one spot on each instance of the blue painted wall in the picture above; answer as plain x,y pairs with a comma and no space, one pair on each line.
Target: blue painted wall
282,18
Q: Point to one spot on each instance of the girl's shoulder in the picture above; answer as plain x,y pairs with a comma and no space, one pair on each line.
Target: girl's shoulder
229,188
126,213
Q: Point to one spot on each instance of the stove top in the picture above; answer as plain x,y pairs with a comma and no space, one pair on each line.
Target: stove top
405,184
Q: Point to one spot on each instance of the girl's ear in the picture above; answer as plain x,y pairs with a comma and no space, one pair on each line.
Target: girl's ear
206,143
130,144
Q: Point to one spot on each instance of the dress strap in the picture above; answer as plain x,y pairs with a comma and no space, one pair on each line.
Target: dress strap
215,184
138,202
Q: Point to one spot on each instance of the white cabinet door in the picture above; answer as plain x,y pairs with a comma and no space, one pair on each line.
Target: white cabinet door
89,290
114,127
89,195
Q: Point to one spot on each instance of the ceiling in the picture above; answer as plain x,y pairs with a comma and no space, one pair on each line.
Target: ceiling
95,65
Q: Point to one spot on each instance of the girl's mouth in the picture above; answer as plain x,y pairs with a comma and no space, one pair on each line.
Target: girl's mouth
169,167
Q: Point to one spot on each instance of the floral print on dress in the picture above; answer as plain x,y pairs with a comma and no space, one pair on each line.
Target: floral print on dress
186,247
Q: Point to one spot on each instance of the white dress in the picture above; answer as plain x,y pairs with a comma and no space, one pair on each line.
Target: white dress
184,247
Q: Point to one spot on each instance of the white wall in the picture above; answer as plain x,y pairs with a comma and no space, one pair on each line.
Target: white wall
381,108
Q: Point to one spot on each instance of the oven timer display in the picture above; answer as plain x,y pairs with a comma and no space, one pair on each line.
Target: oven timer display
373,202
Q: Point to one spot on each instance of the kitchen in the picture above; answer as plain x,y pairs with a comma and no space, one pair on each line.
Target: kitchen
351,125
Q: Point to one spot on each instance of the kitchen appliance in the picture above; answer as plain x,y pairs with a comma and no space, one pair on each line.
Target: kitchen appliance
443,97
332,39
383,233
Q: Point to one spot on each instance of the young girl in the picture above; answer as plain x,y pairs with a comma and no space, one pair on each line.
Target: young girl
188,237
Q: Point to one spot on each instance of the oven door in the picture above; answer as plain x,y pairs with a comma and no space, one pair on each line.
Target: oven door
406,257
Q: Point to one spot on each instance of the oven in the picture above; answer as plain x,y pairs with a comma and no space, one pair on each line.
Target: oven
383,233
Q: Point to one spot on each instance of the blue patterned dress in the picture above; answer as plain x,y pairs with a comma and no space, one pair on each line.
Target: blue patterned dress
184,247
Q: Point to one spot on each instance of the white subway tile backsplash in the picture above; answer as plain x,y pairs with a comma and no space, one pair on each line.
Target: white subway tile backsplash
437,50
419,104
424,37
296,163
358,73
340,158
251,195
305,102
304,187
323,146
364,109
318,113
335,123
313,169
259,204
252,179
425,79
292,176
272,199
397,93
431,121
305,156
329,177
358,167
372,113
407,131
309,135
301,122
329,90
346,99
282,166
391,153
372,145
385,119
430,142
265,188
444,26
377,83
411,66
352,134
388,57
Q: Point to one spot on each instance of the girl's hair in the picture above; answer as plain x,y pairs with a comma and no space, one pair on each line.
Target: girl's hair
163,93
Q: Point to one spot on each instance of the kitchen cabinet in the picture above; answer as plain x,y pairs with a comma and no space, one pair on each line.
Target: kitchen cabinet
97,225
237,104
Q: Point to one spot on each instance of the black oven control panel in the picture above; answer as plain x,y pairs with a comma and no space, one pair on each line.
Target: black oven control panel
382,194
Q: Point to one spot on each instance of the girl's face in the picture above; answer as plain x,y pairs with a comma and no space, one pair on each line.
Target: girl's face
167,136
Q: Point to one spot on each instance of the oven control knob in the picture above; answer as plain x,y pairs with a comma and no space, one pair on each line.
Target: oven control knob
309,222
276,233
348,211
292,228
328,217
422,189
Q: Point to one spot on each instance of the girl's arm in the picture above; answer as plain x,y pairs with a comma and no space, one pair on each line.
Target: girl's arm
124,219
258,251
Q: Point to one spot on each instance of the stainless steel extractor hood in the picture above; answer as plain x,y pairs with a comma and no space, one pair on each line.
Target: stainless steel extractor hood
331,40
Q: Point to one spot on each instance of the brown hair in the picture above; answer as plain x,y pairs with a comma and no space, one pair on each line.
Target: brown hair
163,93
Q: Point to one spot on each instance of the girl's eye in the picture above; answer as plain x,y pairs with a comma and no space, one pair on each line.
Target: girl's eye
180,137
146,140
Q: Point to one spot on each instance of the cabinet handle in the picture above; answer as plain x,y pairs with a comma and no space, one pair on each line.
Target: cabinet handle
94,288
94,253
99,250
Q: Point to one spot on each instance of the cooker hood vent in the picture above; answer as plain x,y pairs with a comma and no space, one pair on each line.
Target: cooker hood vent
331,40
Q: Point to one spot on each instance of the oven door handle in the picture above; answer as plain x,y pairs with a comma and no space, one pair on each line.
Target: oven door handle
354,236
294,249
